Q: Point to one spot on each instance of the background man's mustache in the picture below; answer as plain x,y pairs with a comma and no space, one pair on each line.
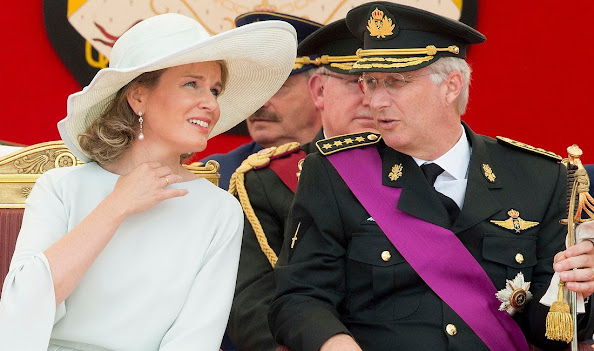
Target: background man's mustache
264,114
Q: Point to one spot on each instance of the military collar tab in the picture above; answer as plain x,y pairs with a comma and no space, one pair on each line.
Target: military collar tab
522,146
347,141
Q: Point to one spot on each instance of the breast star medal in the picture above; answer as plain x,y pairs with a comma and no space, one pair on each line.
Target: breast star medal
515,295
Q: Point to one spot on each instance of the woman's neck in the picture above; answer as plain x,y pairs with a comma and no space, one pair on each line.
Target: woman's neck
138,153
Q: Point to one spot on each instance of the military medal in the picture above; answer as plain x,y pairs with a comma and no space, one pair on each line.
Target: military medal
515,222
300,167
294,238
515,295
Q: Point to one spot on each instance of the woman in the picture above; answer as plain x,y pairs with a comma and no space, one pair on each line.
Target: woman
132,251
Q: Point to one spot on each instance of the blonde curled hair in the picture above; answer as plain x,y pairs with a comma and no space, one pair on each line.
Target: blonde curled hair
115,129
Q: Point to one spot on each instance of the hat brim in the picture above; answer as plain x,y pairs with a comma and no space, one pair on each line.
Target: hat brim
259,58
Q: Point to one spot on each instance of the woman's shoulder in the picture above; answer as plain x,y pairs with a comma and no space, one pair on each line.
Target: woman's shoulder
69,174
67,183
206,191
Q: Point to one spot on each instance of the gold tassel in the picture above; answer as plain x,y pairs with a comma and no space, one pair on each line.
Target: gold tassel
559,320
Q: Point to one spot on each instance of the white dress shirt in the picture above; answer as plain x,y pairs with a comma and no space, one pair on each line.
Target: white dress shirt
452,182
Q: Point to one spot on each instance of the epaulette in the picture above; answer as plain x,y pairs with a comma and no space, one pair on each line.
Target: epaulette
262,158
519,145
346,141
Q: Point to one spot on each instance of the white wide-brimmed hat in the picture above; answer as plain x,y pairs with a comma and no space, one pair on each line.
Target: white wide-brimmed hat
259,58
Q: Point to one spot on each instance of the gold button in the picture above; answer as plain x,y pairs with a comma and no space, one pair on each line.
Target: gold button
451,329
519,258
372,137
386,256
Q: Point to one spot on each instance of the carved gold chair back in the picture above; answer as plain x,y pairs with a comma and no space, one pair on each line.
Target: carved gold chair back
20,170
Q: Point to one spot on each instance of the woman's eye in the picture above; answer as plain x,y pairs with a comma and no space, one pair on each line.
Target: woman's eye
191,84
215,92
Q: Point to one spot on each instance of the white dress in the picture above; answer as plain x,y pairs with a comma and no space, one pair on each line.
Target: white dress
165,281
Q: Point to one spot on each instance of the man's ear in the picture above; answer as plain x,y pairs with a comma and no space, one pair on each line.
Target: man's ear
316,88
453,84
137,96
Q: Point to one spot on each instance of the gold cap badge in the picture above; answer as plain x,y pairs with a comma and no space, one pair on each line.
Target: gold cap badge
515,222
379,25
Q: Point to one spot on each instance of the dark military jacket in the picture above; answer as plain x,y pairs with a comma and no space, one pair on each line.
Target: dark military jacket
271,200
231,160
336,280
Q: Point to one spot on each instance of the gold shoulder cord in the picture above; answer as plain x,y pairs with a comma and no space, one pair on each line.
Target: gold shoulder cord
237,187
561,323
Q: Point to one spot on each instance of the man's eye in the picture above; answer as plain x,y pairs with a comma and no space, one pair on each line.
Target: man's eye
394,82
191,84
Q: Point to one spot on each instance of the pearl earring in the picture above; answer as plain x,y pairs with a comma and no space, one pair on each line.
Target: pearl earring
140,120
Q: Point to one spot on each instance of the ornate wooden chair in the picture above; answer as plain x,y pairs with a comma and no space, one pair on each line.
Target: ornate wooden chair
20,170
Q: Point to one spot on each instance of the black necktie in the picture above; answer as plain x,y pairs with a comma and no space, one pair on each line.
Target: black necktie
431,172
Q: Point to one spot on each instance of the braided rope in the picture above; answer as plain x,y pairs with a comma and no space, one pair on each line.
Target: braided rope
237,187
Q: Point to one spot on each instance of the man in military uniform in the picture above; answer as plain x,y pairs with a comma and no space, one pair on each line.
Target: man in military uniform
289,115
271,178
430,237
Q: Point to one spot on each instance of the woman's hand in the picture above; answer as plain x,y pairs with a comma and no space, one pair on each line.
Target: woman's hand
144,187
72,255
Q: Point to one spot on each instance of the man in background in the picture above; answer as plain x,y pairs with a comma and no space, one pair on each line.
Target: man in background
271,179
289,115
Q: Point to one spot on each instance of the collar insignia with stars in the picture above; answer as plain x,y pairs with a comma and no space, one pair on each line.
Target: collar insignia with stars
515,222
346,141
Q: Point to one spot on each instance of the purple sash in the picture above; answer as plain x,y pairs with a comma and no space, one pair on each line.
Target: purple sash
466,289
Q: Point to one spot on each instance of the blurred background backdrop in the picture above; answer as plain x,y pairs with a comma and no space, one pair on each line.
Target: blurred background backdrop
531,80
